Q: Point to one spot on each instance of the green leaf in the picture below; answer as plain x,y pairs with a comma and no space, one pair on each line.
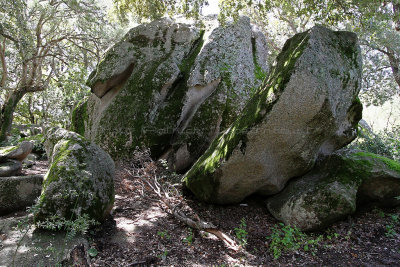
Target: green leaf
93,252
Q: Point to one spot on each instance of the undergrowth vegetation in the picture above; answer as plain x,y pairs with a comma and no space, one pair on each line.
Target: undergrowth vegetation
385,143
290,238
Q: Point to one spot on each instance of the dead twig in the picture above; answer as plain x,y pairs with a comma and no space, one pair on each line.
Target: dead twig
167,193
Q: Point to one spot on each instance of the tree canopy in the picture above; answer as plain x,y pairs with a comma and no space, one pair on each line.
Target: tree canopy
41,43
54,44
376,22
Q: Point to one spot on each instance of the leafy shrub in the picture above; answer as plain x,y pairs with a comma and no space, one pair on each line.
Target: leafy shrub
286,237
241,233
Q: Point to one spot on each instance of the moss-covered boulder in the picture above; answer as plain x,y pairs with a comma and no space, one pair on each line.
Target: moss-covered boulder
308,106
334,189
80,179
172,87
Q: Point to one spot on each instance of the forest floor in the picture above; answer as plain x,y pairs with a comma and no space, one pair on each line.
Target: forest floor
143,232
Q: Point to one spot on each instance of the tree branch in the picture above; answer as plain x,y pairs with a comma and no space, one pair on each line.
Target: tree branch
3,64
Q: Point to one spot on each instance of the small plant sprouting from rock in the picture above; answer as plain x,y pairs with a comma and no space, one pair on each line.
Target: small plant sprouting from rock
241,233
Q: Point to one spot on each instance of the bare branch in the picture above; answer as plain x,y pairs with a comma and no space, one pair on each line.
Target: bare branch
8,37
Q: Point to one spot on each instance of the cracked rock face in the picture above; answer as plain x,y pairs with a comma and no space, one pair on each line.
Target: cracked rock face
172,87
307,107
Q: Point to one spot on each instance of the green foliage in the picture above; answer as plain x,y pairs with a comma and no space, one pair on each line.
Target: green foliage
163,234
164,255
286,237
80,225
49,44
241,233
385,143
390,232
149,9
92,252
391,227
189,238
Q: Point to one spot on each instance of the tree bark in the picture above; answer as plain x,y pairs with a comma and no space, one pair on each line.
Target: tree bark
396,11
394,64
7,113
31,115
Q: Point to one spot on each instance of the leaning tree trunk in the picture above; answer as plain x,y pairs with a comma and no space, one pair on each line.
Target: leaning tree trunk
7,113
394,64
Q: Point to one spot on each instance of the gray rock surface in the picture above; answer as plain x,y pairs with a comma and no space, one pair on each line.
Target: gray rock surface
19,192
10,168
172,87
307,107
32,247
334,189
80,179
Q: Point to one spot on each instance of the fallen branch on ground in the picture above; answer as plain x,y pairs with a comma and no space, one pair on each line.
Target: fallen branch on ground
164,193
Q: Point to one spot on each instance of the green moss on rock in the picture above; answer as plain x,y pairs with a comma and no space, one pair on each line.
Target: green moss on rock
202,179
79,180
80,117
334,188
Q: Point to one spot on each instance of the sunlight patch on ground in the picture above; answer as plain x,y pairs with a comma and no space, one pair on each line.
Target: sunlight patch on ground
128,227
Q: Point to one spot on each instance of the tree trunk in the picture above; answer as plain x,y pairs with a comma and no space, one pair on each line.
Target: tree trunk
31,115
7,113
394,64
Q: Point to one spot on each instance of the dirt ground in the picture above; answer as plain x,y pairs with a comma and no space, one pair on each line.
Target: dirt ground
143,232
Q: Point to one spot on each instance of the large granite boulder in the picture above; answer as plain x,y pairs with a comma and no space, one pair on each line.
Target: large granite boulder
19,192
307,107
80,179
334,189
172,87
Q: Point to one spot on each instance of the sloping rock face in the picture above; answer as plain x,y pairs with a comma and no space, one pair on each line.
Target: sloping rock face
334,188
80,179
172,87
307,107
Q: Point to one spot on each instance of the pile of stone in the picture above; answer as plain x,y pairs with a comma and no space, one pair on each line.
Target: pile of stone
17,191
202,96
